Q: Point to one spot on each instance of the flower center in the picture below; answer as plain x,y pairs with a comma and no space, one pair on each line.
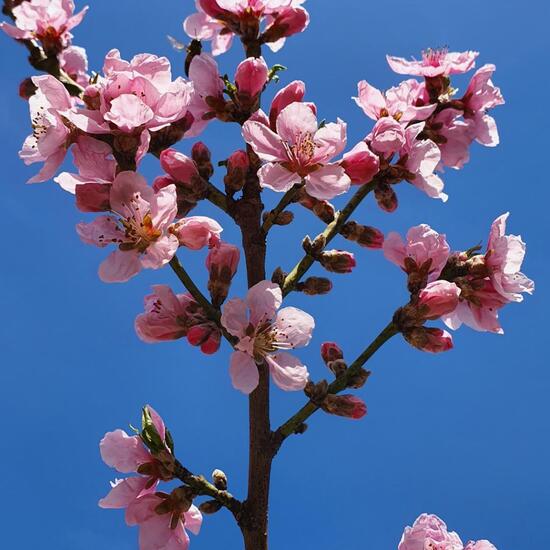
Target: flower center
140,234
434,57
268,339
300,154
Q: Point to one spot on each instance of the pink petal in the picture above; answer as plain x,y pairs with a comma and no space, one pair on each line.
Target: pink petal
287,371
120,266
244,372
102,231
193,520
327,182
276,177
123,452
266,143
235,317
160,252
330,140
124,492
263,300
128,112
295,326
295,120
370,99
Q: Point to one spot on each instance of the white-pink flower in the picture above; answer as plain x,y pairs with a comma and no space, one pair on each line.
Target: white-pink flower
200,26
399,102
434,62
74,61
423,247
264,335
49,21
504,256
51,137
421,157
300,150
139,228
164,530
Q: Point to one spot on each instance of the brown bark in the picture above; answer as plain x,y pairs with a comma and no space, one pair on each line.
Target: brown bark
247,212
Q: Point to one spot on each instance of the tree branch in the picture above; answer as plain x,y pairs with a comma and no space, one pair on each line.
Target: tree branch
329,233
288,198
296,421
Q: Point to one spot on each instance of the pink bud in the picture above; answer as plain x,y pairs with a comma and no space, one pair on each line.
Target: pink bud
251,76
293,92
337,261
363,235
387,136
196,232
331,351
163,181
237,168
348,406
177,165
201,155
437,299
205,335
287,22
93,197
222,262
433,340
360,164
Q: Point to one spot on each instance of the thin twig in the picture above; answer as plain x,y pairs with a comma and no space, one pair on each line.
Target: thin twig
288,197
329,233
341,383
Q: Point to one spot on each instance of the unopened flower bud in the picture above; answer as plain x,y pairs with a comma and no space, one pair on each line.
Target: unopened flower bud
348,406
219,479
293,92
222,262
337,261
337,367
433,340
201,155
363,235
251,76
210,507
316,392
322,209
205,335
437,299
178,166
237,168
361,164
359,379
385,197
315,247
278,276
331,351
27,88
314,286
287,21
285,217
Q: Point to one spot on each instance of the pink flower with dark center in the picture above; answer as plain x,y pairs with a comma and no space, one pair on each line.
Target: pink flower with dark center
504,256
399,102
139,228
300,150
481,95
423,247
264,336
51,136
48,21
163,521
128,454
434,62
421,157
170,316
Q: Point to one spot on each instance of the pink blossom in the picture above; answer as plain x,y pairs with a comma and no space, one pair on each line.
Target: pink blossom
222,262
291,93
178,166
434,62
128,454
263,333
438,298
220,20
481,95
504,256
457,137
136,98
170,316
331,351
399,102
360,164
48,21
387,136
196,232
51,137
139,228
420,157
480,545
428,531
300,151
251,76
74,61
165,530
94,161
423,247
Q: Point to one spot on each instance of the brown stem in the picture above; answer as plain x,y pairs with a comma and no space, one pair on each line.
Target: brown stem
247,212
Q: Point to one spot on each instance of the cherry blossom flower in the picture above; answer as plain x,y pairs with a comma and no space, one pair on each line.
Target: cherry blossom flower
456,136
504,256
387,136
421,157
135,98
140,228
161,529
170,316
399,102
434,62
74,61
430,532
481,95
438,298
220,20
424,248
196,232
300,150
263,335
48,21
51,135
128,454
291,93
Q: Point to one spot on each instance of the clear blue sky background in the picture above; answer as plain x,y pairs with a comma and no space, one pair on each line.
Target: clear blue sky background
464,435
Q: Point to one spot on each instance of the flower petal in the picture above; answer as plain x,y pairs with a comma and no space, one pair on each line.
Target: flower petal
244,372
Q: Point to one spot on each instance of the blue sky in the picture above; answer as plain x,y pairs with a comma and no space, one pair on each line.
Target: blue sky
463,435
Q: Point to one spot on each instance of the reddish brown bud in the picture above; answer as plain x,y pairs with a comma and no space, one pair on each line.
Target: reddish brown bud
359,379
210,507
314,247
433,340
331,351
386,197
363,235
322,209
201,155
348,406
316,392
337,261
278,276
222,262
26,89
237,168
219,479
314,286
